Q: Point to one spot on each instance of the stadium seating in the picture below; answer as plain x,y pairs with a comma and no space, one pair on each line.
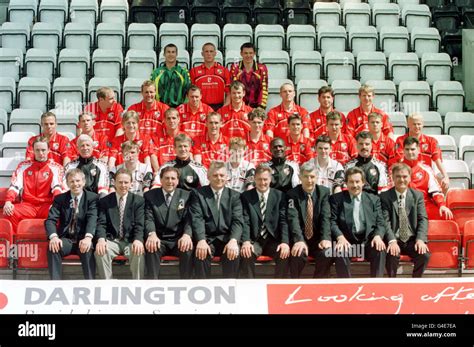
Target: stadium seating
205,11
394,40
447,144
236,12
307,92
14,144
131,91
22,11
31,233
300,38
84,11
234,35
7,93
457,124
23,119
399,122
468,245
339,66
144,11
3,122
414,96
466,148
371,66
53,11
448,96
6,240
79,35
346,94
47,36
142,36
461,203
40,63
296,12
459,174
12,63
436,67
174,11
326,14
74,63
267,12
69,93
7,168
306,65
432,123
362,39
34,92
113,11
444,242
15,35
110,36
269,38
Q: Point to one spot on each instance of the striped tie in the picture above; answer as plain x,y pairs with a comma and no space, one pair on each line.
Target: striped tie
404,229
308,224
121,213
263,209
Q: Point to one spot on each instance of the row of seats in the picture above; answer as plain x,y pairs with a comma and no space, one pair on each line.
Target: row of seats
444,240
71,92
209,11
87,36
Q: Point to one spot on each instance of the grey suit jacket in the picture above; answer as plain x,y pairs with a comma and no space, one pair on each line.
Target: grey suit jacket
342,220
208,222
416,212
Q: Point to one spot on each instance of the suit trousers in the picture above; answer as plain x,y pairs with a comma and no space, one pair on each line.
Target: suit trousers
230,268
266,247
376,259
408,248
167,247
322,261
55,260
119,247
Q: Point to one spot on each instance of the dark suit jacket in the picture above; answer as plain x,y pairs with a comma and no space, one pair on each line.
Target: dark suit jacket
416,212
297,201
275,215
208,223
168,223
342,220
133,220
60,215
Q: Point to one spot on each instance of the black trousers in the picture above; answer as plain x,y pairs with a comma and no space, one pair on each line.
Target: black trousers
408,248
266,247
153,260
322,261
230,268
55,260
376,259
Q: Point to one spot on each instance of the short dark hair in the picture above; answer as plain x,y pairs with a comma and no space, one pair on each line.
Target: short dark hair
169,169
324,90
364,135
411,140
293,117
170,45
323,139
354,171
247,45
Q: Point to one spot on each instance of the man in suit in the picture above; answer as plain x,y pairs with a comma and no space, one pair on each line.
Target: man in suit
216,220
167,230
406,222
120,228
308,221
265,230
71,225
357,225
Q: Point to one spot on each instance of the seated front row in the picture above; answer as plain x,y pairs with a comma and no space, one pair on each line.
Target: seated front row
216,221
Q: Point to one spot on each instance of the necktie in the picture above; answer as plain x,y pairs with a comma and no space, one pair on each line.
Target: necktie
168,199
404,229
263,209
355,213
121,213
72,225
308,224
217,196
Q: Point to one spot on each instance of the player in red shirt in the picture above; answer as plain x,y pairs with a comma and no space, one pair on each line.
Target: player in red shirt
212,78
429,149
213,145
235,122
38,181
298,148
318,117
193,114
357,119
277,118
423,179
253,75
164,143
150,111
100,142
59,145
383,147
258,143
108,113
343,147
130,126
